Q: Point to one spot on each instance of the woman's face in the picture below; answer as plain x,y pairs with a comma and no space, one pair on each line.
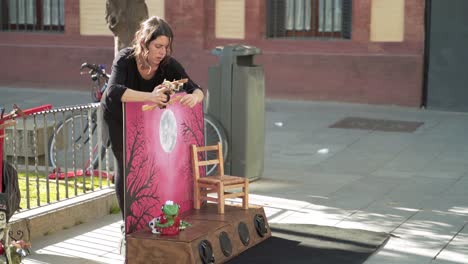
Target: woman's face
158,49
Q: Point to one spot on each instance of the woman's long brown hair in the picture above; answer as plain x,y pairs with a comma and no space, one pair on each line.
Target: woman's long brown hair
149,30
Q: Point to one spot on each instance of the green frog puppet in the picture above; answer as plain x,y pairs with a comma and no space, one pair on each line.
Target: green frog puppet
168,222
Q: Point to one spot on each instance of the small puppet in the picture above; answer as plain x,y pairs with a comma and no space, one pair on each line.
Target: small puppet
168,222
175,86
16,251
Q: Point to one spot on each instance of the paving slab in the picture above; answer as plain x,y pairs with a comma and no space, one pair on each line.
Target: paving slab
411,192
362,193
380,216
456,251
420,239
93,242
301,185
459,187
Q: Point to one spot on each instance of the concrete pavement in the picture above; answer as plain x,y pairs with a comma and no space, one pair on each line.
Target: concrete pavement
412,185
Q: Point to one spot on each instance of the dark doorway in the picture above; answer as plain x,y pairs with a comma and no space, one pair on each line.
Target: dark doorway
446,55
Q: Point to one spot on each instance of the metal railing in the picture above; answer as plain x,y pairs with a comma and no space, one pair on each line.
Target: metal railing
59,154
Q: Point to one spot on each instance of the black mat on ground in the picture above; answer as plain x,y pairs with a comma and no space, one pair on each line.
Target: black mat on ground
377,124
292,243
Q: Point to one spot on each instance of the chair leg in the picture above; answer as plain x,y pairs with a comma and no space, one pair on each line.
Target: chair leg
220,198
245,200
196,196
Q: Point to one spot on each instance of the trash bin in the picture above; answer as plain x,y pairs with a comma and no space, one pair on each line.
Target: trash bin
237,100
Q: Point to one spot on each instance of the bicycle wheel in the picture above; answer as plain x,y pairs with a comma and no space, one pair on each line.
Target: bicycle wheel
69,145
214,133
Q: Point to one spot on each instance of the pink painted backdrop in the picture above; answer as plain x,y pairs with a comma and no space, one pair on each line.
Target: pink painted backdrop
157,159
2,131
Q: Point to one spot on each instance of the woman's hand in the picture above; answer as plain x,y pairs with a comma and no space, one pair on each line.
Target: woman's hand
160,95
191,100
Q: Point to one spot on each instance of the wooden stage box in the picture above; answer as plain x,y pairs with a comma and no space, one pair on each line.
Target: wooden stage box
227,236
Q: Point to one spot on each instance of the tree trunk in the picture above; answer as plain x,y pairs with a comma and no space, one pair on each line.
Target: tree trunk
123,19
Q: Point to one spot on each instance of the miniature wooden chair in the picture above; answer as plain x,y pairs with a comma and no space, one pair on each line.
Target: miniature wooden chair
219,183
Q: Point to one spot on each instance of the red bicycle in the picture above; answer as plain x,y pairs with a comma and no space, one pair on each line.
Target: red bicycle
98,76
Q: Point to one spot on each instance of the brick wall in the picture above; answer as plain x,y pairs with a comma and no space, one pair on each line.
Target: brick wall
355,70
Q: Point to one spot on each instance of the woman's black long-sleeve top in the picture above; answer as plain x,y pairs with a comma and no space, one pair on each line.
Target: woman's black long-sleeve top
125,75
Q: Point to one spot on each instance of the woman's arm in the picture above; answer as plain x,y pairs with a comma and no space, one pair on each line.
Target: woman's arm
194,92
135,96
192,99
116,84
157,96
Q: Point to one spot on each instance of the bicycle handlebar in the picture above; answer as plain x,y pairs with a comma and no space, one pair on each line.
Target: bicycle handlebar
94,69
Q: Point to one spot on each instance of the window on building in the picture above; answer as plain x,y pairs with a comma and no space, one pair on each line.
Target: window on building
32,15
309,19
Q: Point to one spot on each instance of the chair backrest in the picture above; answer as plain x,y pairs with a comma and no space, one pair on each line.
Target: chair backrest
198,160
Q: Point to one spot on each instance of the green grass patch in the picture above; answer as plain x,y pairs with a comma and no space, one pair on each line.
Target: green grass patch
39,185
115,209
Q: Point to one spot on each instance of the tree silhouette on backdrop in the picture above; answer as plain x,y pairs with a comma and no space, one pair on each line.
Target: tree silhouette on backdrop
140,189
193,131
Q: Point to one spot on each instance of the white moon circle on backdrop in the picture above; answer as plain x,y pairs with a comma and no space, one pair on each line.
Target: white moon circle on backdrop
168,131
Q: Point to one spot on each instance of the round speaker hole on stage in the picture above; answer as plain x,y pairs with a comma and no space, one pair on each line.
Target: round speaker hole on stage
225,244
243,233
206,252
260,225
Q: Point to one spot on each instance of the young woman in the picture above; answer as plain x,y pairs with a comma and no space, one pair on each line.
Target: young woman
137,76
